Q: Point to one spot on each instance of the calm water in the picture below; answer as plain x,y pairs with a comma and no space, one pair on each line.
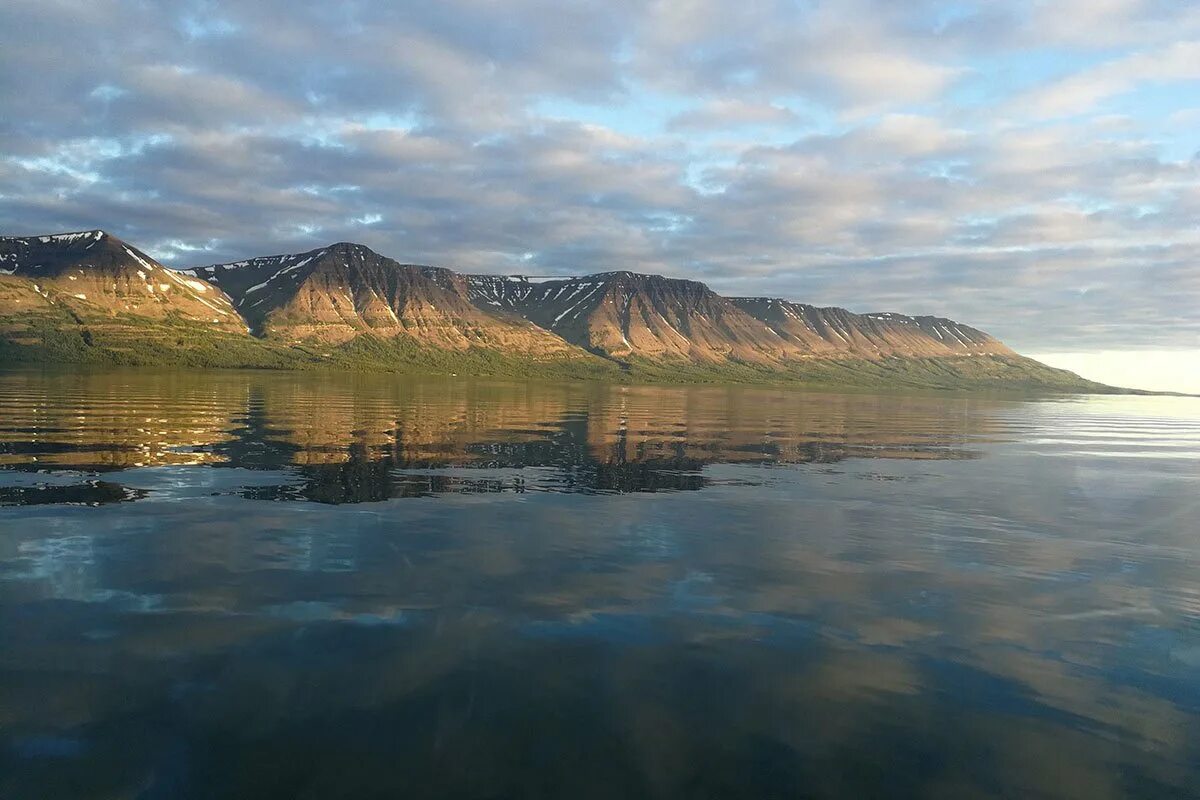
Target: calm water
283,586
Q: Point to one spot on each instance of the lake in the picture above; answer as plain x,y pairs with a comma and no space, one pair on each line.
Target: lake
285,585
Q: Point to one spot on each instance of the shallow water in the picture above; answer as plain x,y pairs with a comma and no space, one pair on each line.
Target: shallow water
277,585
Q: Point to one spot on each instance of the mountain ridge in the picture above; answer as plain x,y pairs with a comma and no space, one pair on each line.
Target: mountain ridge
347,306
767,330
335,293
89,270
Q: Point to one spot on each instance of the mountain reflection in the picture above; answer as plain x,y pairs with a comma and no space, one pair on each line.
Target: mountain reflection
566,620
348,439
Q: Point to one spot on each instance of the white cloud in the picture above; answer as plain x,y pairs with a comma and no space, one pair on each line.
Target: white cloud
726,113
924,179
852,54
1085,90
1099,24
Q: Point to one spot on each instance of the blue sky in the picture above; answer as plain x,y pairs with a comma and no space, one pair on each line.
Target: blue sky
1029,167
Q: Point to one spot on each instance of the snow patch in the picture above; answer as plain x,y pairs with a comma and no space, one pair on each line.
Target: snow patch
283,271
71,237
139,259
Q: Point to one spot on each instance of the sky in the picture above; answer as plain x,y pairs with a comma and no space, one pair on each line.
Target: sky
1029,167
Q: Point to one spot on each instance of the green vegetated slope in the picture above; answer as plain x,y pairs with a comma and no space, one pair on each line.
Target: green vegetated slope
976,373
59,338
89,298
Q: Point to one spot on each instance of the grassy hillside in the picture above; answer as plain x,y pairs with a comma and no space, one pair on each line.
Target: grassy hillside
406,354
974,373
58,336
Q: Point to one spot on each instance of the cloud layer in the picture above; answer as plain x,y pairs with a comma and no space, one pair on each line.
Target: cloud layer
1026,167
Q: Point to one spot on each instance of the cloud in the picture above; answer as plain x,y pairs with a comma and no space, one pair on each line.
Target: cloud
851,55
1102,24
950,158
1085,90
724,114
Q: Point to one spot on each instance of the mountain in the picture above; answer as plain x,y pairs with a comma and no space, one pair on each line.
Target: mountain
92,274
835,331
88,297
334,294
623,315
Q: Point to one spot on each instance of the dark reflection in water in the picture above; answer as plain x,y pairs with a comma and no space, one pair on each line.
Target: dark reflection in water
90,493
867,597
361,480
349,439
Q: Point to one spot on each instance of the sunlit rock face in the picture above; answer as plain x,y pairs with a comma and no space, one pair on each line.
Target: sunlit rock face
336,293
624,314
92,274
333,294
836,331
89,297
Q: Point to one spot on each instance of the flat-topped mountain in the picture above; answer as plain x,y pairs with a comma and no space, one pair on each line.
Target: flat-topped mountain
623,314
835,331
89,297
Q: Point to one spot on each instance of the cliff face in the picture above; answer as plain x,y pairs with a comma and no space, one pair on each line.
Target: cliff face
89,297
95,276
333,294
622,314
836,332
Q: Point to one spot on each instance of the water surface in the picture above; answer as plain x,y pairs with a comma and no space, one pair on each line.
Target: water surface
299,586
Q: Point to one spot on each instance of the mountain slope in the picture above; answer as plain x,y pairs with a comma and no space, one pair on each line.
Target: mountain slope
333,294
624,315
88,297
836,332
94,275
665,329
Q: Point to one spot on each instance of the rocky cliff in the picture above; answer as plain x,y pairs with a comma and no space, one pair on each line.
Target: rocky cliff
89,297
333,294
94,275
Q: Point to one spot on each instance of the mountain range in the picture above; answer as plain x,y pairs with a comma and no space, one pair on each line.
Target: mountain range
88,297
